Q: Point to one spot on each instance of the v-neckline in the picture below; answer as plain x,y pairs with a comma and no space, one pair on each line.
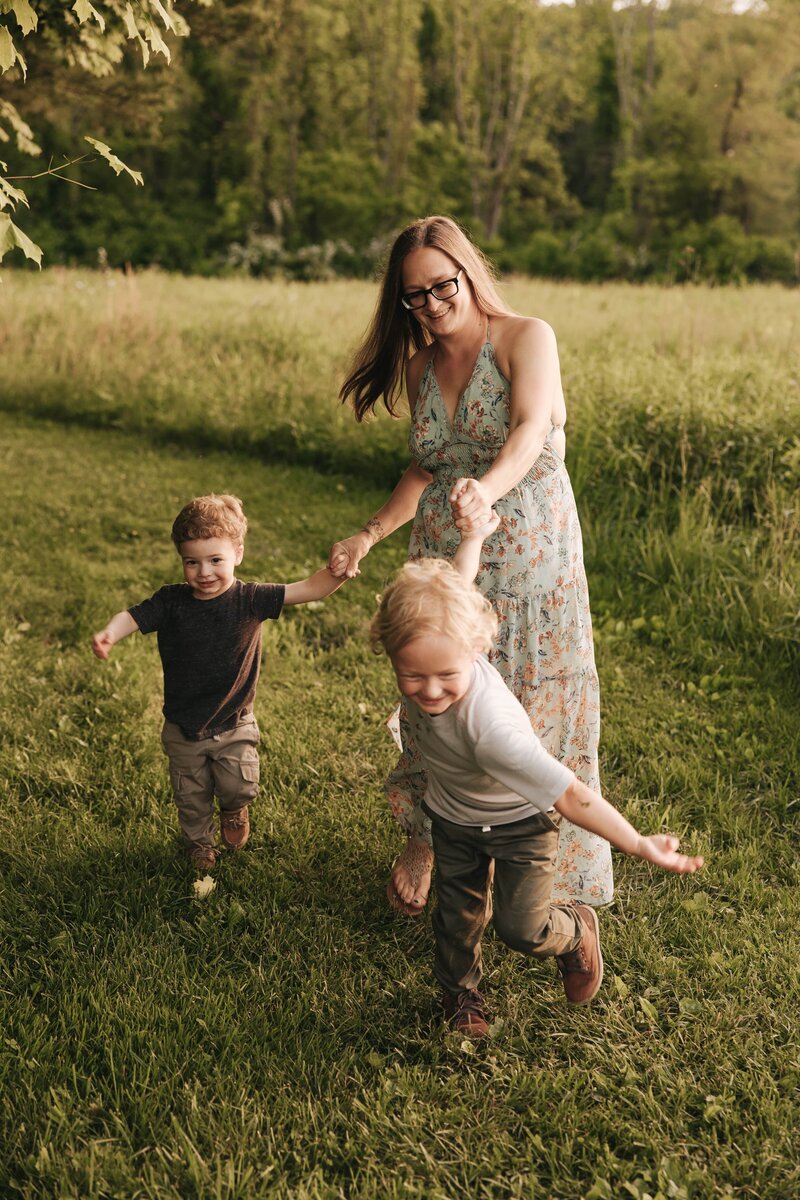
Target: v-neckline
451,421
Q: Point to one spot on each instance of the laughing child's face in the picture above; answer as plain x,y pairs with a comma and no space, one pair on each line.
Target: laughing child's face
434,671
209,565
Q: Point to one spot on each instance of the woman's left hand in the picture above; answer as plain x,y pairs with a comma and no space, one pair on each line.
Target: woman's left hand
472,507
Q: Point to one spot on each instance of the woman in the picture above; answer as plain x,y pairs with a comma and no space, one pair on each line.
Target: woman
487,430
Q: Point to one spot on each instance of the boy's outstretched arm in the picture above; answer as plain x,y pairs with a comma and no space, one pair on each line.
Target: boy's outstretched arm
467,558
588,809
120,626
316,587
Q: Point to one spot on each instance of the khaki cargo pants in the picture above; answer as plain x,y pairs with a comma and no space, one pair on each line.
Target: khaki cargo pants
524,855
225,766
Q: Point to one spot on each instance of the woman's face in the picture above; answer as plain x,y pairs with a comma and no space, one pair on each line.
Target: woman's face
426,267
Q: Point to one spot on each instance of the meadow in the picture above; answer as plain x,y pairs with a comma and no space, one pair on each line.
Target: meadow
281,1038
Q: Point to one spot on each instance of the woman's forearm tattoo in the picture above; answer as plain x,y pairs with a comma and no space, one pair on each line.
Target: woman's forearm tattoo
375,530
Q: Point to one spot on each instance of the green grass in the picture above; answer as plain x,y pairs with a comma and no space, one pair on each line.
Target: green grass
281,1038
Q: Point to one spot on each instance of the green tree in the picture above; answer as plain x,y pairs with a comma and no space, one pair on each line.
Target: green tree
706,127
87,37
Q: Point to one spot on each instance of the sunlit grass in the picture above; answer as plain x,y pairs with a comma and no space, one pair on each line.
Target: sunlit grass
281,1038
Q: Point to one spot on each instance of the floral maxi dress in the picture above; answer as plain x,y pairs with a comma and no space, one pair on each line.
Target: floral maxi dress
532,572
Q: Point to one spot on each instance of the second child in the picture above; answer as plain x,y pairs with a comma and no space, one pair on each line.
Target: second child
209,640
494,795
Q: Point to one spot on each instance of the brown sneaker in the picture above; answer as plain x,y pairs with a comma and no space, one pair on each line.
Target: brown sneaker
203,858
466,1012
235,828
581,969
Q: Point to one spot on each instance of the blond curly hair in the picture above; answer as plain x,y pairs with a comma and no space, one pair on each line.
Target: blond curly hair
428,598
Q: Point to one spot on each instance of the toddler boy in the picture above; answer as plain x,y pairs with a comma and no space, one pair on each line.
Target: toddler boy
494,795
209,640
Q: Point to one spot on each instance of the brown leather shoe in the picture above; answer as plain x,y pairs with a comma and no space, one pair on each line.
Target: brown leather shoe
466,1012
203,858
235,828
581,969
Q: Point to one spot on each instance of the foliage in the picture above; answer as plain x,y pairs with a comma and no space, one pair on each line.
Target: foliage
87,37
618,130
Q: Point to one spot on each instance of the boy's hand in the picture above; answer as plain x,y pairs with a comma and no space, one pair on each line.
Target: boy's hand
483,531
662,849
102,643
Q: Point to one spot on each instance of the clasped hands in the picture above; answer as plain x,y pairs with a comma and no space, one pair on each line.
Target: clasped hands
472,509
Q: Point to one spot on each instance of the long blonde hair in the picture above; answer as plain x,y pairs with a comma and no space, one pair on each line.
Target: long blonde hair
379,365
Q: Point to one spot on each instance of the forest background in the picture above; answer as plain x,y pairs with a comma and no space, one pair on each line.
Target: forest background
592,140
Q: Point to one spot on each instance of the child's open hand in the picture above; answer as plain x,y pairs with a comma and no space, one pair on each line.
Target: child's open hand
662,849
102,643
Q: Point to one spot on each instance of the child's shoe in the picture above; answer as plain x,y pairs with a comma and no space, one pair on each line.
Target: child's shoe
203,858
235,828
581,969
466,1013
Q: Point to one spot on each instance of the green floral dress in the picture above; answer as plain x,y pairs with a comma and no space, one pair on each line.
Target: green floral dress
532,572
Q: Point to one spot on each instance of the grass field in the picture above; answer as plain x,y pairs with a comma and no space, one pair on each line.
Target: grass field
281,1039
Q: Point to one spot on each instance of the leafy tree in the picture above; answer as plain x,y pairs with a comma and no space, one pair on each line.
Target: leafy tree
89,37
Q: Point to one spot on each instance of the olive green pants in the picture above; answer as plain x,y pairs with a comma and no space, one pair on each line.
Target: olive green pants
225,766
524,856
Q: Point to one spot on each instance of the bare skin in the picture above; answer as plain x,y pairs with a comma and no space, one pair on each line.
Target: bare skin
410,881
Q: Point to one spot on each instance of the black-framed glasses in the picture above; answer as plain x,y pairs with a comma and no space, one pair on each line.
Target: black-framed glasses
439,291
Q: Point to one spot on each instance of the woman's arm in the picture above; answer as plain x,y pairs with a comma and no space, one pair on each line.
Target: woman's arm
535,376
401,506
589,810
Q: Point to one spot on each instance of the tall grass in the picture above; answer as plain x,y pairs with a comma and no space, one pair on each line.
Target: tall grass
684,411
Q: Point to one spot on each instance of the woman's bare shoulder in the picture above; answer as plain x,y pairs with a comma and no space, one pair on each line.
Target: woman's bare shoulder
512,329
518,340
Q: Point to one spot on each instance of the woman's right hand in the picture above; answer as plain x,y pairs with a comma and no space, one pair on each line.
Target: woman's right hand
345,556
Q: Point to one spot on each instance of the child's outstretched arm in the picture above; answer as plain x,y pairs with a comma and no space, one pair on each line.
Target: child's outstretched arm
588,809
316,587
467,558
120,626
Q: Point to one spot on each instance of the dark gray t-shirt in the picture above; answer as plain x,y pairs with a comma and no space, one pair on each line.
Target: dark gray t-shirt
210,651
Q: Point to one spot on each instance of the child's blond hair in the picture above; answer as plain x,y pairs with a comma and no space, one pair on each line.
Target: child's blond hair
210,517
427,598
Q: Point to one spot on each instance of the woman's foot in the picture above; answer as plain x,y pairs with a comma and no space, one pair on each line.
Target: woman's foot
410,880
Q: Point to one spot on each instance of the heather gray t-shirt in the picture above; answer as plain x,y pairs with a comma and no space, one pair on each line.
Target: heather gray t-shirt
485,765
210,651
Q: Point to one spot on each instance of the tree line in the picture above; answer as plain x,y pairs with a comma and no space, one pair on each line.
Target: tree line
595,140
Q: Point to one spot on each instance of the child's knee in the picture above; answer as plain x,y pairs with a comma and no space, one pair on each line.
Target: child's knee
191,786
526,932
236,780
